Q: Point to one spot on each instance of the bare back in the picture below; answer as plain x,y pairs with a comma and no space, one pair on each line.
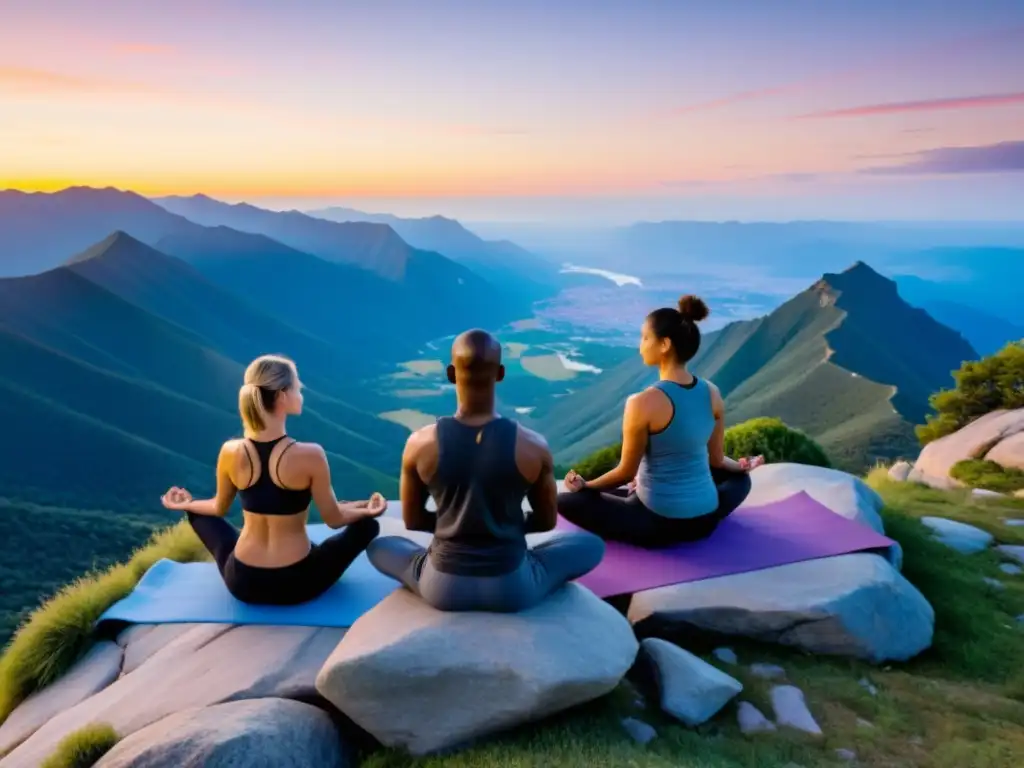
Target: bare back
273,540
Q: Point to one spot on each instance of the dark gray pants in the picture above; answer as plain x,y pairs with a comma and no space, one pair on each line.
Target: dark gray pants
545,568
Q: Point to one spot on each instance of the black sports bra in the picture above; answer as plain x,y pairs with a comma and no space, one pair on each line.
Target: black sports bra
265,497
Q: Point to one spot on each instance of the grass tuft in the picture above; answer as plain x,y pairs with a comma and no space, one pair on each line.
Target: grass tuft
83,748
60,631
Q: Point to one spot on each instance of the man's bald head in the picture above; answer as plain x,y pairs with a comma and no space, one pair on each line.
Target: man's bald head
476,360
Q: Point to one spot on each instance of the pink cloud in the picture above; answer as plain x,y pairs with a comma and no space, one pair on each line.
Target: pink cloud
144,49
924,105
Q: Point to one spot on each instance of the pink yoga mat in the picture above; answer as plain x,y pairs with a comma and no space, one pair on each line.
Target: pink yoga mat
794,529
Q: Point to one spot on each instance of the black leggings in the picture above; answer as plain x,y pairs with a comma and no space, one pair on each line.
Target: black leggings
619,515
292,584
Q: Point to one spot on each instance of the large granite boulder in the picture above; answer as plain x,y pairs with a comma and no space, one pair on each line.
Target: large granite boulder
275,733
981,439
1009,453
203,665
854,605
424,680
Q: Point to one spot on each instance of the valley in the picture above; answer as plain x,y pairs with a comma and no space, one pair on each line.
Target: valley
125,328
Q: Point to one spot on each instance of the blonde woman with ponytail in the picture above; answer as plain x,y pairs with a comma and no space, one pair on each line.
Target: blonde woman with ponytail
271,560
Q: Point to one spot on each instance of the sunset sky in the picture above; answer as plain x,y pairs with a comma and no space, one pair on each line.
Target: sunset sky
514,110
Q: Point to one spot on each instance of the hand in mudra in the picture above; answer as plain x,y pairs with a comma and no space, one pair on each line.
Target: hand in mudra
573,481
752,462
176,499
376,506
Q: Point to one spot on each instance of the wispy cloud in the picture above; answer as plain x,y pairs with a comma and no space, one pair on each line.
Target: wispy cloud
45,81
485,130
924,105
1005,157
143,49
944,49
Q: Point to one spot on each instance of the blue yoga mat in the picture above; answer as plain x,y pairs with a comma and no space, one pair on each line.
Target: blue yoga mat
175,593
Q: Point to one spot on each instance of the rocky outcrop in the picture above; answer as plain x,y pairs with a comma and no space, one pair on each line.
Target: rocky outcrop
997,436
203,665
424,680
94,672
270,732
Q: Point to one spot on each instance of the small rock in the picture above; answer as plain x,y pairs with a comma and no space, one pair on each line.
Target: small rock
846,754
900,471
726,655
751,719
767,671
1014,523
984,493
916,741
867,686
1015,552
994,583
861,722
689,689
639,731
966,539
1011,569
1020,619
791,709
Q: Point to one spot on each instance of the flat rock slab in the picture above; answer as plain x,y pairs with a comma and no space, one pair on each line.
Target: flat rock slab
1009,453
424,680
93,672
854,605
262,732
689,689
206,665
964,538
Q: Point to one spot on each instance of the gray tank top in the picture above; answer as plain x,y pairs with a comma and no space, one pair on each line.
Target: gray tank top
479,491
674,479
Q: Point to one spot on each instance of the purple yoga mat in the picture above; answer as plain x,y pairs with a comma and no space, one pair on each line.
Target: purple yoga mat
794,529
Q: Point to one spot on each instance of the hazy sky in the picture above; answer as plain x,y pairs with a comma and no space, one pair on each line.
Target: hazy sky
526,110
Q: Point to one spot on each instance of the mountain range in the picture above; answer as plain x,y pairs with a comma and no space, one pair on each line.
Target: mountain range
847,360
377,283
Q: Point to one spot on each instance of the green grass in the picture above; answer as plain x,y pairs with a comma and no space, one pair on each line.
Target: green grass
83,748
959,703
979,473
61,630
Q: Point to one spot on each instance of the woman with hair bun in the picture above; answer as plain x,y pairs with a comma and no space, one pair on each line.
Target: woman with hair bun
681,483
272,561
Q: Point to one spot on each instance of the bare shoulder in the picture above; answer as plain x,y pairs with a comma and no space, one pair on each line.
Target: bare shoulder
532,438
307,451
232,448
717,402
640,402
421,438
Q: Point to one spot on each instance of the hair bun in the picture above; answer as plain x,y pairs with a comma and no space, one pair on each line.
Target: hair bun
693,308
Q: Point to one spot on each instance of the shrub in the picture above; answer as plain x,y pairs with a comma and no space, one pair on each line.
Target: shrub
766,437
775,441
83,748
979,473
982,386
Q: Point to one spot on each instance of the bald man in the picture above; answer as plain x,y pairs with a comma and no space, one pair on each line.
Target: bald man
479,466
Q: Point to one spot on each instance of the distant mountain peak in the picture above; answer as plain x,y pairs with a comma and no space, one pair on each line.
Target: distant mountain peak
859,279
118,244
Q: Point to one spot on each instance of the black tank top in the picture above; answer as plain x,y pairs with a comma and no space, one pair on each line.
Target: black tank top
265,497
479,491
